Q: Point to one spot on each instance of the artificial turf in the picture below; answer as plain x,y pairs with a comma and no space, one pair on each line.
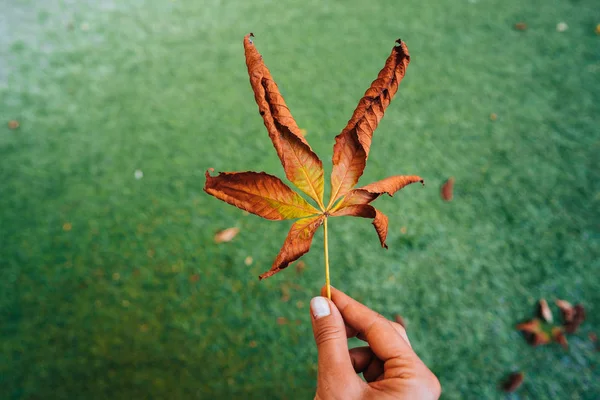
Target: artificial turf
112,286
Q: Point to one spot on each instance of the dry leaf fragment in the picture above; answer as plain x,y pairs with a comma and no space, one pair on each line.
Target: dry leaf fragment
544,311
226,235
593,337
67,226
558,335
13,124
447,189
352,146
252,344
513,382
258,193
533,332
248,260
521,26
567,310
282,320
578,318
493,117
302,166
300,266
398,318
194,278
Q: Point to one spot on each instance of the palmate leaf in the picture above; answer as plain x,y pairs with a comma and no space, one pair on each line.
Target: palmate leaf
268,197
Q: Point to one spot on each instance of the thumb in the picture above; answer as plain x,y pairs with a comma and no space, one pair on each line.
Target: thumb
332,344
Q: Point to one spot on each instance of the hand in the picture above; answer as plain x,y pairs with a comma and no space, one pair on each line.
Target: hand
389,364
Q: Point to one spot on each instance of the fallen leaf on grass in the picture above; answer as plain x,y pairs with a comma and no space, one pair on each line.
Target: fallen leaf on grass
226,235
558,335
248,260
513,382
282,320
573,316
567,310
447,189
67,226
521,26
544,311
534,333
13,124
194,278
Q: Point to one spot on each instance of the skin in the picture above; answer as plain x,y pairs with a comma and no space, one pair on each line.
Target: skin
391,368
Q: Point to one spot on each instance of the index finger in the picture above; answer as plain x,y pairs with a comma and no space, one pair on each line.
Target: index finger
383,338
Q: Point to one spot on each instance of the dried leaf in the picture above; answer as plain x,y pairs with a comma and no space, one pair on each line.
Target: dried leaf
282,321
558,335
352,145
544,311
521,26
297,243
226,235
513,382
577,320
533,332
13,124
398,318
493,116
194,278
302,166
447,189
567,310
380,220
258,193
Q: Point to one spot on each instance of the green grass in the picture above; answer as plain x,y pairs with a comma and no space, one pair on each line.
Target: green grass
109,309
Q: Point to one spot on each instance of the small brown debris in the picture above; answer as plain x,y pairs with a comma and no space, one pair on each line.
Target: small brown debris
544,311
285,293
253,344
398,318
533,332
578,318
13,124
558,335
282,320
513,382
300,266
144,328
67,226
403,230
226,235
593,337
300,304
194,278
150,253
493,117
597,30
248,260
567,310
447,189
521,26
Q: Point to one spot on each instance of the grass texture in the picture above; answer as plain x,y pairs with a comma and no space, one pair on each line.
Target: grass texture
112,286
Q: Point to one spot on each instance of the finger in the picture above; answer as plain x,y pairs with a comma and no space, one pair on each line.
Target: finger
361,358
374,370
330,337
382,336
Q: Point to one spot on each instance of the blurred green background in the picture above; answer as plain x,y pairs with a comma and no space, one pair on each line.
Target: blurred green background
112,286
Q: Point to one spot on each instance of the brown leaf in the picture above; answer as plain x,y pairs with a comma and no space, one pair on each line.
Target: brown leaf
258,193
567,310
544,311
282,320
558,335
447,189
372,191
302,166
578,318
13,124
226,235
398,318
297,243
194,278
593,337
493,116
521,26
533,332
380,220
352,145
513,382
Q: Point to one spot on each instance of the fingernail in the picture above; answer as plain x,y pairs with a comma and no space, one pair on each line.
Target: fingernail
319,307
